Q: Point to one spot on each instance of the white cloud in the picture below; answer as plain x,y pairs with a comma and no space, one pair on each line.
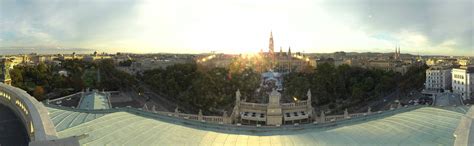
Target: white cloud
237,25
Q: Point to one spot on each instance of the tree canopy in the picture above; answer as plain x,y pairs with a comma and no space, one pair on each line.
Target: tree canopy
342,86
206,89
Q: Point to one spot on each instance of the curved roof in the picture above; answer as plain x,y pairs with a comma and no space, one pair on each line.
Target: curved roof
425,125
64,119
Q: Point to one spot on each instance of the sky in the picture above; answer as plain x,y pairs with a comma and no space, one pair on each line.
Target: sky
427,27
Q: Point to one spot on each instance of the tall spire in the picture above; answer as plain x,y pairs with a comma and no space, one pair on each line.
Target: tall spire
289,51
270,44
289,58
281,51
271,51
395,55
398,52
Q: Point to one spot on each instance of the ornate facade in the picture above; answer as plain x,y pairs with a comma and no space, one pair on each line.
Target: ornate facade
284,61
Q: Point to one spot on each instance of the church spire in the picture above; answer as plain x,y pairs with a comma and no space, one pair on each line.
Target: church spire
289,59
271,51
270,44
398,54
395,55
289,51
281,51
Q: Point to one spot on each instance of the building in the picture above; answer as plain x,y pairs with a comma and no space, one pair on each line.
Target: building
442,61
463,81
395,63
273,112
285,61
95,57
464,62
438,78
396,55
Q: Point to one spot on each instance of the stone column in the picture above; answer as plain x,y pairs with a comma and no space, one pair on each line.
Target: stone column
237,97
346,114
200,115
309,107
176,112
235,115
274,112
322,117
227,119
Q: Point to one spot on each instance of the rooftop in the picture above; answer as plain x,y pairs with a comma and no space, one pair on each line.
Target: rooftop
469,69
416,126
94,100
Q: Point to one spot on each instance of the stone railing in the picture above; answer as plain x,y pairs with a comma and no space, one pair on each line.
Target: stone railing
259,106
301,104
346,115
200,118
193,117
334,118
256,106
32,113
357,115
213,122
64,97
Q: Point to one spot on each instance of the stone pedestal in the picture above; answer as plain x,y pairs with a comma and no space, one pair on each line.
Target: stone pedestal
274,116
274,113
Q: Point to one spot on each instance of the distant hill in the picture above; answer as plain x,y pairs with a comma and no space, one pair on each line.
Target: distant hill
14,51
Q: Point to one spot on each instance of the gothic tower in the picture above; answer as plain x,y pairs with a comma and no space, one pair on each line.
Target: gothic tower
281,52
395,53
271,51
270,45
398,53
290,58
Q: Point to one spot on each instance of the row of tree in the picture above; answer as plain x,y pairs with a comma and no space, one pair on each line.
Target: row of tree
343,86
44,80
201,88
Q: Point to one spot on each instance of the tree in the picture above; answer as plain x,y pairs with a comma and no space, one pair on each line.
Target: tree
38,93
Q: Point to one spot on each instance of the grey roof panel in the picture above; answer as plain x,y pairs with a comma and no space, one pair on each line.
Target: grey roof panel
427,125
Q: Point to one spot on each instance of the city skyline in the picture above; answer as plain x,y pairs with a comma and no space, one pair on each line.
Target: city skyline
422,27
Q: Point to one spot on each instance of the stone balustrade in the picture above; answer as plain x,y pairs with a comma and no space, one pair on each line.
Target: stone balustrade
301,104
256,106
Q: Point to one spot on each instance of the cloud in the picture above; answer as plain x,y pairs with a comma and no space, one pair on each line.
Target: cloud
68,23
433,23
428,26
